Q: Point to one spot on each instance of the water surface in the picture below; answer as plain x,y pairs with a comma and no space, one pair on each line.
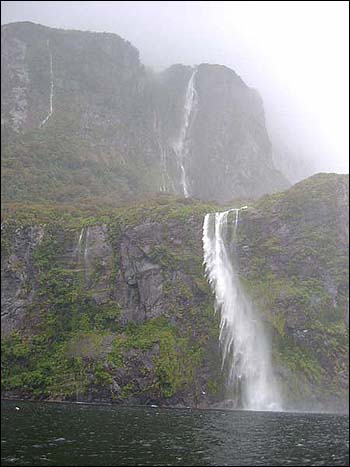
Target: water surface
82,435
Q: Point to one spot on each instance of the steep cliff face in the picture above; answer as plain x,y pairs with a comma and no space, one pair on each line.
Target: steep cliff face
76,119
224,145
18,275
115,308
82,119
231,149
113,305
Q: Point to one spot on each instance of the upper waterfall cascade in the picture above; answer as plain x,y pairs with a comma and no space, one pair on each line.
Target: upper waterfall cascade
181,144
245,351
51,90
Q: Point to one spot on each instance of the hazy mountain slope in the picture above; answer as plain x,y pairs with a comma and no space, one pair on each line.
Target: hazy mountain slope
82,120
98,140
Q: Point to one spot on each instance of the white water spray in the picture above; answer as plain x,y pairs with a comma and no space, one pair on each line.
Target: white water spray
245,351
51,91
181,144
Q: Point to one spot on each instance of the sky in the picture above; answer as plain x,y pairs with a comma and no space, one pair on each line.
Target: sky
296,54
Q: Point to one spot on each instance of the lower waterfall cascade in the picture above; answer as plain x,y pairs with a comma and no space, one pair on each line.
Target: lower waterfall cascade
246,359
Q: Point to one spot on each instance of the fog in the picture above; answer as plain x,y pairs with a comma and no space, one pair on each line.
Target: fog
296,54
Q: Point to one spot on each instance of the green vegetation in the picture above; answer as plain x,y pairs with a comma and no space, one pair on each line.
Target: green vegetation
83,330
76,157
176,363
74,346
293,256
87,334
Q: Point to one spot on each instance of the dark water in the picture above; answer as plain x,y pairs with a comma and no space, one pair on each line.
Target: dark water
63,434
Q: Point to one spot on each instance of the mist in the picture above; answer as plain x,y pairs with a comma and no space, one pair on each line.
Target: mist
296,54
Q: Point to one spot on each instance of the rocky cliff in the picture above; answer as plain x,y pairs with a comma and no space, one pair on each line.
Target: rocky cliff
113,305
110,307
82,119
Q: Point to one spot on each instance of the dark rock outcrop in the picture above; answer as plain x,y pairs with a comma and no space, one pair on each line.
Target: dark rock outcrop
18,276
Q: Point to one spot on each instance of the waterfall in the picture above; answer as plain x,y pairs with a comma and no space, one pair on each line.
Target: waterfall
80,253
86,251
181,145
246,357
51,90
163,161
77,250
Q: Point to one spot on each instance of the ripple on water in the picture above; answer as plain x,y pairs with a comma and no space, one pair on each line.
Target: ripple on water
137,436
